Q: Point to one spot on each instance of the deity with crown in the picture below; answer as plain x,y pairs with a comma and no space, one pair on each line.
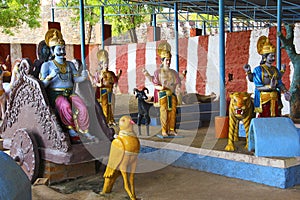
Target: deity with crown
58,76
167,84
105,82
268,83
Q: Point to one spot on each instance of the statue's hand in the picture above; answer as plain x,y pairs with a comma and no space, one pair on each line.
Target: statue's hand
84,73
120,72
247,68
144,71
53,73
287,96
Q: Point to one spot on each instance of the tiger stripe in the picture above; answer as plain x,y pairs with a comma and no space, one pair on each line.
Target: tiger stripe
240,109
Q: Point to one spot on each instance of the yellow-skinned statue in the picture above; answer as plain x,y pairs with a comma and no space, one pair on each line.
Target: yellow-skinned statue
105,80
167,84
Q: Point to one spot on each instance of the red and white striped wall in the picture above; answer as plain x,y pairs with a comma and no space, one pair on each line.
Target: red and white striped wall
198,55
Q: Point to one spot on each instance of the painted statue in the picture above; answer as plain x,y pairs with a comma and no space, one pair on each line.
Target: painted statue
167,84
240,109
5,66
288,44
143,108
105,81
58,77
43,55
3,73
123,158
267,80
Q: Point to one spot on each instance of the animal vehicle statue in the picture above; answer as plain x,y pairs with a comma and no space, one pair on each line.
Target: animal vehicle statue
122,158
143,108
240,109
34,135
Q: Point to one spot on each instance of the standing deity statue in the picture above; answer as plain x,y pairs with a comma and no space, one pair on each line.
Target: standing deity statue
58,76
105,81
289,46
167,84
267,80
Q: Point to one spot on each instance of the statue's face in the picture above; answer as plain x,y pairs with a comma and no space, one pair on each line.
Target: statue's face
103,65
270,58
45,53
167,62
60,51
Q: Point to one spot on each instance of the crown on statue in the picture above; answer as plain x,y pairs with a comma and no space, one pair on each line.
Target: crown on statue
264,46
102,55
164,50
54,37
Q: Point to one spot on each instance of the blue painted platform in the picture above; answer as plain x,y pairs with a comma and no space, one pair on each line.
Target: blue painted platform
275,172
274,137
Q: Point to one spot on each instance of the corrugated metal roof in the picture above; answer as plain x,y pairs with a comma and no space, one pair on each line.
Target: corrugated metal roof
256,10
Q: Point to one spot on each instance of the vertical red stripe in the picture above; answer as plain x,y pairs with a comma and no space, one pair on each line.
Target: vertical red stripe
202,64
91,60
140,64
237,55
77,51
182,51
29,51
87,51
122,63
284,57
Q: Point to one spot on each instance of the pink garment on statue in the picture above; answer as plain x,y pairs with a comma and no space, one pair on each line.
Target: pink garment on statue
64,109
66,114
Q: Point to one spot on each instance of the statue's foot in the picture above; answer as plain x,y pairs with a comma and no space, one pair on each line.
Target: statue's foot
75,140
229,148
164,134
172,133
111,123
74,137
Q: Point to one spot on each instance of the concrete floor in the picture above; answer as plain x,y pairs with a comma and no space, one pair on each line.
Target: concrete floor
167,183
164,182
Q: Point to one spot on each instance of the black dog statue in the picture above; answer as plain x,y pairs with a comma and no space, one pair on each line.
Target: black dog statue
143,108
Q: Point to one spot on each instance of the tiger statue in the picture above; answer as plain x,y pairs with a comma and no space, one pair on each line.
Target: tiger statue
240,109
